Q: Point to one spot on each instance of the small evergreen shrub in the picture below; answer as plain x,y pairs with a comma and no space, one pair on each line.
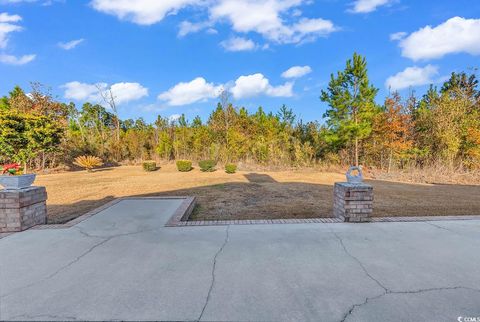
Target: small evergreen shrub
230,168
184,165
149,166
207,165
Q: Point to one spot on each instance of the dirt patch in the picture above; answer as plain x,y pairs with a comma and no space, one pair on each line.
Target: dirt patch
247,195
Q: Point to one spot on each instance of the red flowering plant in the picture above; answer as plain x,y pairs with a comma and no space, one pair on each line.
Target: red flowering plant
12,169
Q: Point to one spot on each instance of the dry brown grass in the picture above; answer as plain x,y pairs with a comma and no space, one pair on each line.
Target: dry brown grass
247,195
432,174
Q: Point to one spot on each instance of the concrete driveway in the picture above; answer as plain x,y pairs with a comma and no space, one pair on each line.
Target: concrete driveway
122,264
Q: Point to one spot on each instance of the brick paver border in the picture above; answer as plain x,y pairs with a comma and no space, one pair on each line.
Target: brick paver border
182,214
313,221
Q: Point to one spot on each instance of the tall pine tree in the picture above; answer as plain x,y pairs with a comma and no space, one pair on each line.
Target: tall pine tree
351,98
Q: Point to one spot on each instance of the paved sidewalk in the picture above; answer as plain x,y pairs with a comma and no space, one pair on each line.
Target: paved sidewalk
123,264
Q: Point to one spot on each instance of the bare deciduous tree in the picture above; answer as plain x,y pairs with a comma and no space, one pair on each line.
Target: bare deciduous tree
108,98
224,97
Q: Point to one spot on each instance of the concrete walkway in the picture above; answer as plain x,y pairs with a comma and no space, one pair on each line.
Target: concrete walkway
122,264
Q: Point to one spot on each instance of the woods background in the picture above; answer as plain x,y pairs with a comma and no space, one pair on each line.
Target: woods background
439,129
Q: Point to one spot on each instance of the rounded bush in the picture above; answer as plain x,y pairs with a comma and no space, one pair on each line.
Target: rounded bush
149,166
230,168
207,165
184,165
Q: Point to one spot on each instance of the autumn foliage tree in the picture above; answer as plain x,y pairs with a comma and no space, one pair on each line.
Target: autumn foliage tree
390,140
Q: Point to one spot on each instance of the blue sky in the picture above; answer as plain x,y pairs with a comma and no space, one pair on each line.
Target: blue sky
174,56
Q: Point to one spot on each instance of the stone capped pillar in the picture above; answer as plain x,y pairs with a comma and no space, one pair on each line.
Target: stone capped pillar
22,209
353,202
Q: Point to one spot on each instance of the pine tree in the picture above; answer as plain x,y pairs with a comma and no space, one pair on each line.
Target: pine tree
351,98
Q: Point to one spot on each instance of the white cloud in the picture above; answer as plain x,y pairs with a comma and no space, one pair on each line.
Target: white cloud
5,17
127,92
285,90
122,92
257,84
212,31
296,12
266,17
7,26
308,28
70,44
82,91
174,117
297,71
187,27
199,90
14,60
455,35
412,76
191,92
143,12
238,44
366,6
398,35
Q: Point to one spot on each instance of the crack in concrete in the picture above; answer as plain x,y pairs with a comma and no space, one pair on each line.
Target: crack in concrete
212,284
353,307
439,227
84,233
359,262
78,258
387,291
367,273
434,289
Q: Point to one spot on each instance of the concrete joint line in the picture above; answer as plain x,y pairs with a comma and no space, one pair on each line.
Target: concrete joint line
212,284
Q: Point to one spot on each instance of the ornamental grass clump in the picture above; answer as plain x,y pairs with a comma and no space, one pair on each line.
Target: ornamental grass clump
184,165
230,168
149,166
88,162
207,165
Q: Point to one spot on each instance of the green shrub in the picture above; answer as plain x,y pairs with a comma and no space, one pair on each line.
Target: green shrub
184,165
207,165
230,168
149,165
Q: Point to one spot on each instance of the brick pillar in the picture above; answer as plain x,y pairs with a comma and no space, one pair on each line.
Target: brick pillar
22,209
353,202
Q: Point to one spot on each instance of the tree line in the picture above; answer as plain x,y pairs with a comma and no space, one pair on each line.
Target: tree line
441,127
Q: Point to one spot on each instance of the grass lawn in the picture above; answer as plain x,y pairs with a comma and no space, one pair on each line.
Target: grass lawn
247,195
